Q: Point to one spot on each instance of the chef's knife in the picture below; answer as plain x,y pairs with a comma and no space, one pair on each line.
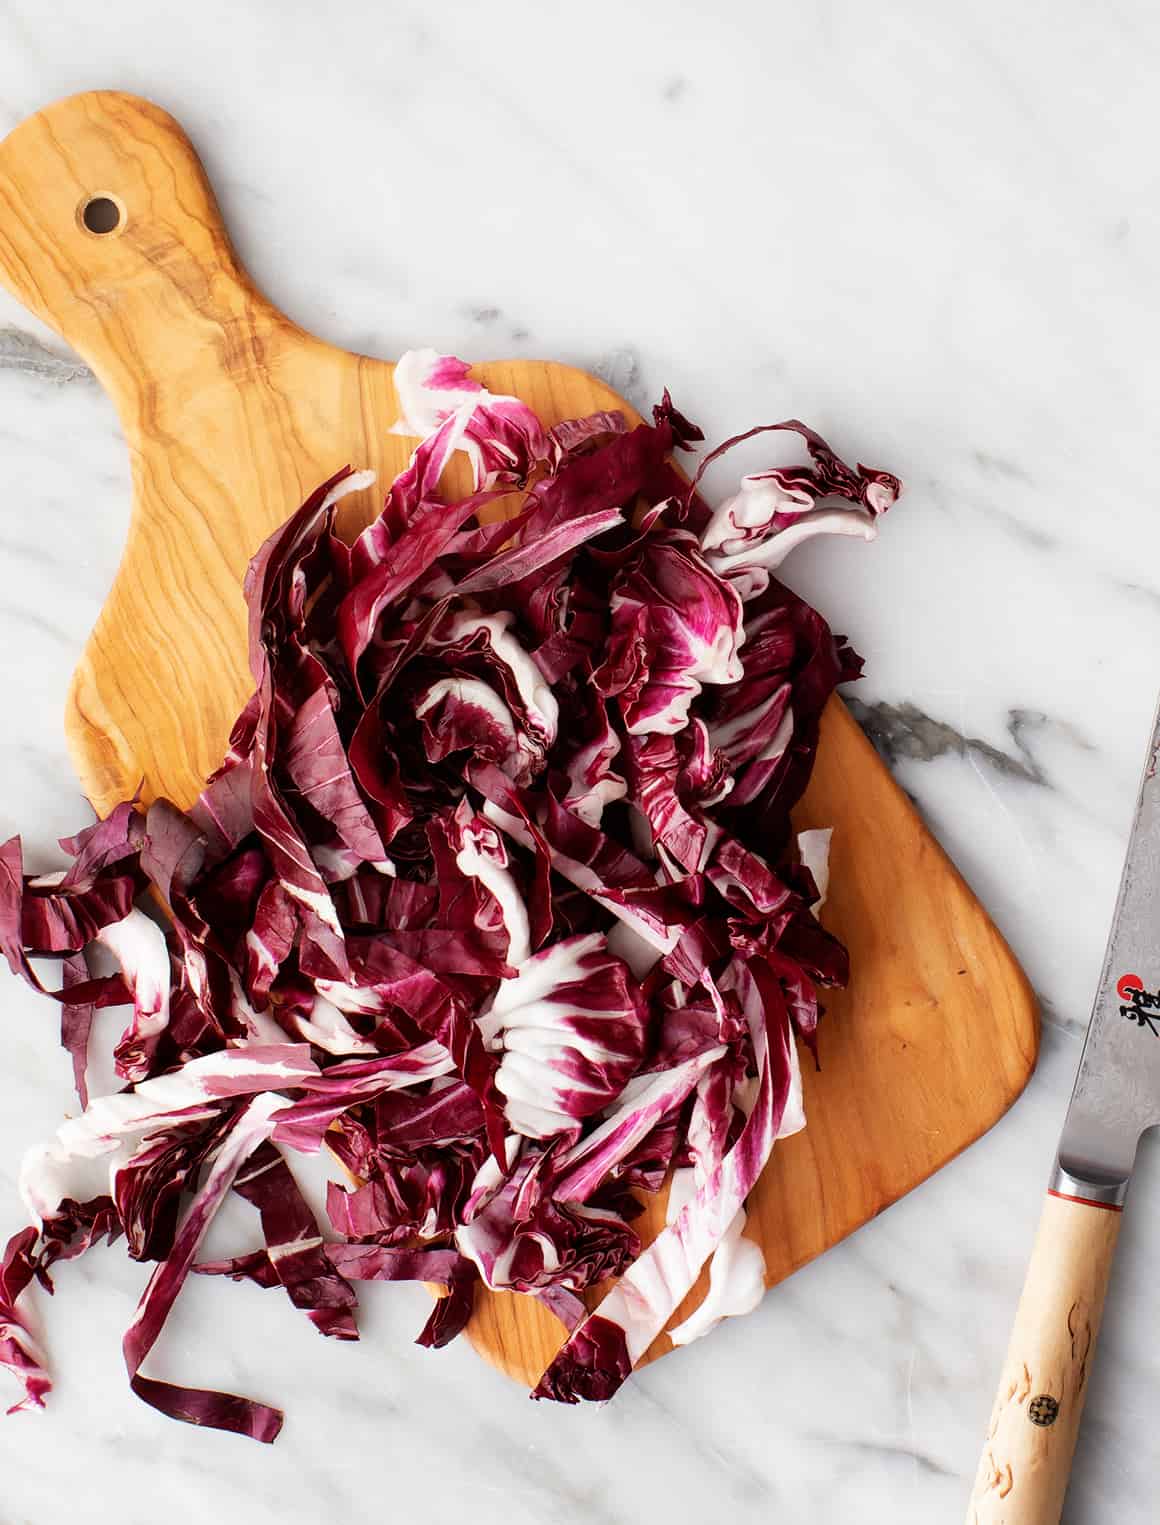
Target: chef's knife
1024,1468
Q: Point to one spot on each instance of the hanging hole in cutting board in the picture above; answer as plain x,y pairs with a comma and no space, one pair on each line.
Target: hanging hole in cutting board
101,215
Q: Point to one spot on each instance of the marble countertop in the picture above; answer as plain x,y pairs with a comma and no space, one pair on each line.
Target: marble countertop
931,233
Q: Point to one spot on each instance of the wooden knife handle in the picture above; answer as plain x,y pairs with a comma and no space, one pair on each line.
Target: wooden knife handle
1026,1460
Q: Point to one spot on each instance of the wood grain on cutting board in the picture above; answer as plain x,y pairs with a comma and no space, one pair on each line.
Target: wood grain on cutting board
231,415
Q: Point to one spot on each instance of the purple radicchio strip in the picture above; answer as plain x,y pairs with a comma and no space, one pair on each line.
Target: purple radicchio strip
219,1411
294,1247
774,511
302,1124
648,1294
18,1352
105,1135
501,435
76,1024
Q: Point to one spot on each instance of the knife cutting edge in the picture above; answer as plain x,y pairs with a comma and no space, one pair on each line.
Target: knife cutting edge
1023,1472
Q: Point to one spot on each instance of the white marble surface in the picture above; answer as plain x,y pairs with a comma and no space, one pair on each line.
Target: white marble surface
931,230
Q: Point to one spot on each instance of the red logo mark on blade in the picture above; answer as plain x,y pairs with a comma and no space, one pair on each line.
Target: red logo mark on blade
1126,984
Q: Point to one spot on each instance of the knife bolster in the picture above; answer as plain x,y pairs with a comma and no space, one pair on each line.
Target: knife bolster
1091,1187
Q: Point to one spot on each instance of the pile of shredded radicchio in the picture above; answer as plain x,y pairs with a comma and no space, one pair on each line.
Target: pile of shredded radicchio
496,896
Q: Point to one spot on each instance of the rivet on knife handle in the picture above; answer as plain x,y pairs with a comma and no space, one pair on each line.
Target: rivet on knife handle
1026,1459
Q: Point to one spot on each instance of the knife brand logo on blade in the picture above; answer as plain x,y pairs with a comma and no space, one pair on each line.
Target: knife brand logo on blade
1140,1006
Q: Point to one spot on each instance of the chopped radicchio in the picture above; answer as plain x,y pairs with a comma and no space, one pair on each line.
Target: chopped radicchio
495,893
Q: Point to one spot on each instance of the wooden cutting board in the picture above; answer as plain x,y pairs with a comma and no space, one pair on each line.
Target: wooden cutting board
110,233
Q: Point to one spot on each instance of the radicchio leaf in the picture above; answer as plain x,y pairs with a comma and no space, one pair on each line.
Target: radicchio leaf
571,1033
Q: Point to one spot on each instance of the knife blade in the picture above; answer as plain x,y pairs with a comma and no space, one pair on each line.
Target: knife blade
1117,1086
1026,1460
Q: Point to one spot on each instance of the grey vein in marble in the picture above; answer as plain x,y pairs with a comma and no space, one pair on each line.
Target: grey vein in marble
905,733
1002,466
22,352
622,371
486,316
1014,524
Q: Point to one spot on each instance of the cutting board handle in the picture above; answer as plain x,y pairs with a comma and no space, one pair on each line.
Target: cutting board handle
1026,1460
110,233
